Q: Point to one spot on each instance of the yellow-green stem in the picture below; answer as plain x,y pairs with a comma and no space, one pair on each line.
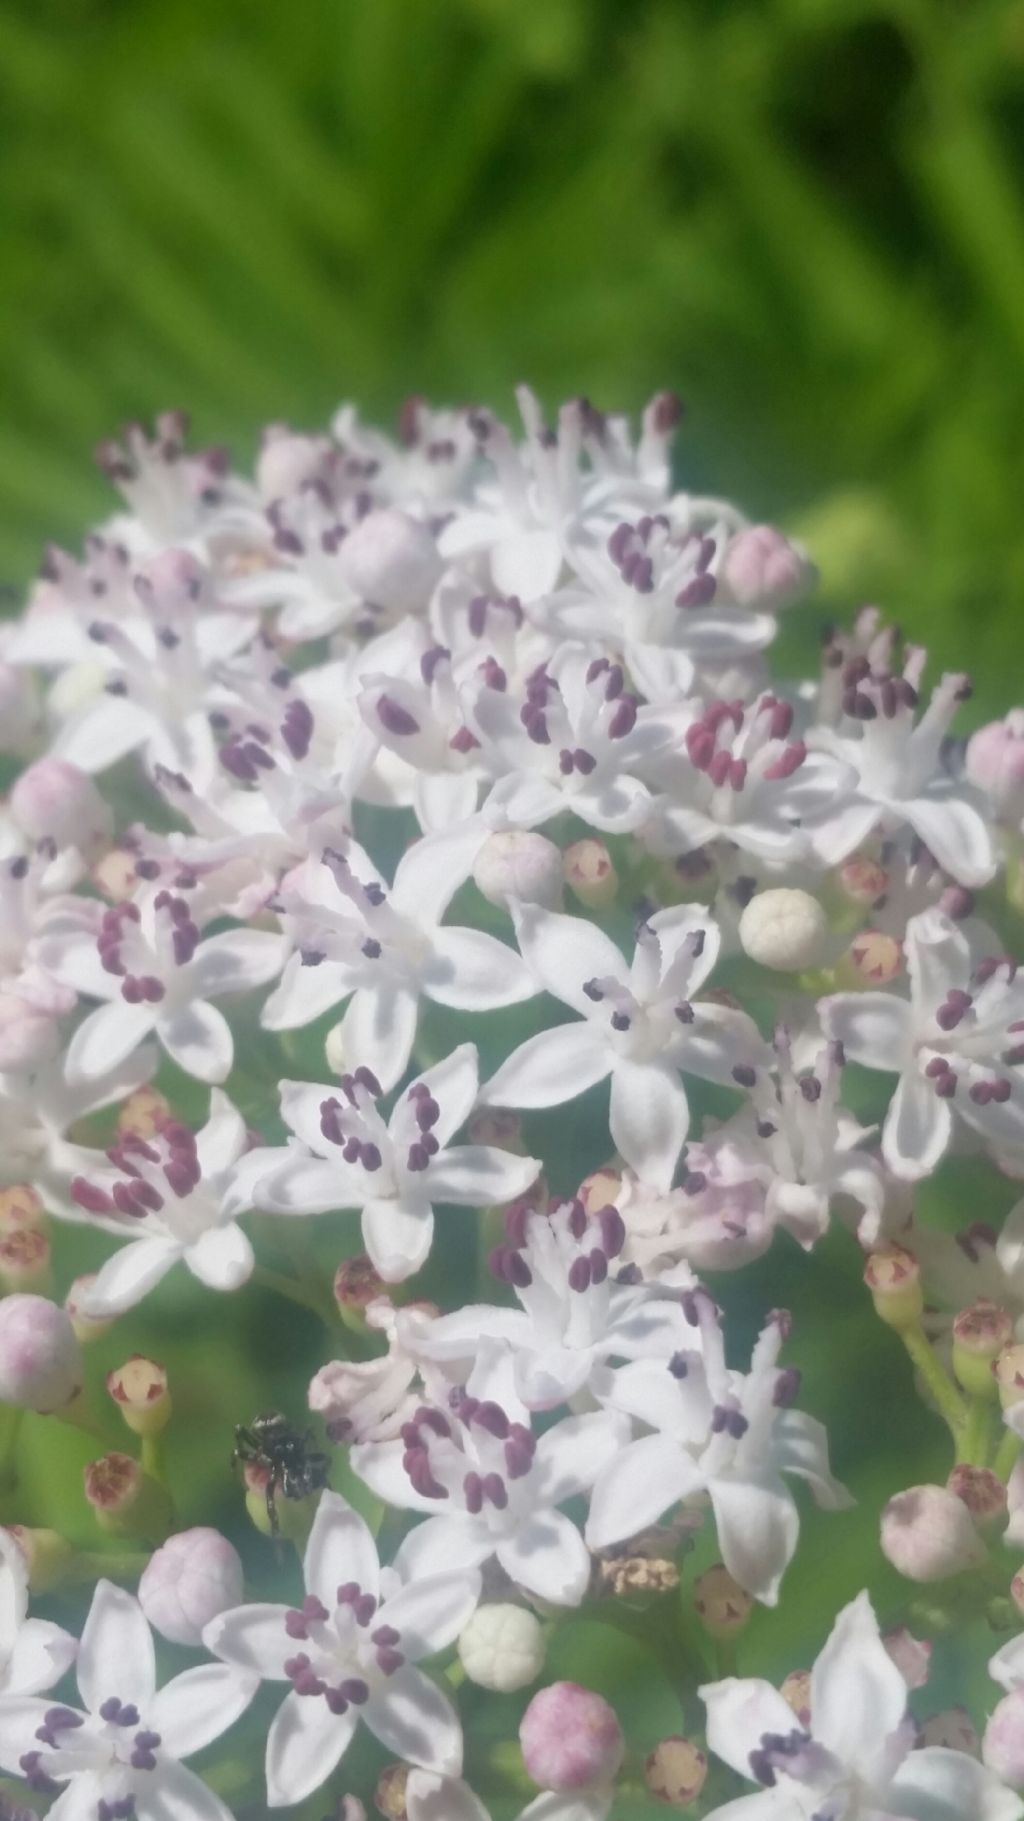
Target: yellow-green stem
950,1405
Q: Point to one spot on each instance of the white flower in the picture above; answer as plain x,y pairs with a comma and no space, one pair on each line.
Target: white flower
955,1046
383,949
641,1025
721,1432
432,1798
37,1110
493,1485
423,725
858,1759
349,1653
176,1196
34,1653
347,1156
368,1400
158,976
126,1746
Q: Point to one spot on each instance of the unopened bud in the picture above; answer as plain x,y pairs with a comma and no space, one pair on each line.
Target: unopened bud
25,1260
872,959
912,1656
20,1207
497,1126
763,568
391,560
676,1771
502,1647
126,1502
139,1389
87,1327
590,873
357,1284
40,1359
796,1690
143,1114
570,1738
114,875
47,1554
893,1276
294,1515
952,1730
519,864
600,1189
995,762
191,1579
928,1534
1003,1745
721,1604
784,929
54,801
1009,1374
980,1333
389,1795
863,881
984,1494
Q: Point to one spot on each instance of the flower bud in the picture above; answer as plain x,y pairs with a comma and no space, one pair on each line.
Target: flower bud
952,1730
391,560
139,1389
143,1113
86,1327
863,881
721,1604
984,1494
502,1647
114,875
40,1359
20,1208
928,1534
54,801
356,1286
784,929
570,1738
912,1656
893,1276
1009,1374
190,1579
796,1690
762,568
25,1261
1017,1590
29,1033
1003,1745
872,959
590,873
519,864
995,762
47,1555
288,460
294,1516
19,716
980,1333
126,1502
676,1771
389,1795
497,1126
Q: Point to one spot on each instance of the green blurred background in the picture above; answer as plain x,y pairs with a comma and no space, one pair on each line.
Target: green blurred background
803,214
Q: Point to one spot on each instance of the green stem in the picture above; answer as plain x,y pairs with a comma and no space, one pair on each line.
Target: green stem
1006,1455
976,1437
307,1296
11,1419
89,1565
950,1405
153,1459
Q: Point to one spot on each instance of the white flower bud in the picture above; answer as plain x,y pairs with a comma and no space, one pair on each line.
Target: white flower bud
502,1647
391,560
190,1580
1003,1745
995,762
519,864
784,929
288,461
928,1534
54,801
40,1360
590,873
762,568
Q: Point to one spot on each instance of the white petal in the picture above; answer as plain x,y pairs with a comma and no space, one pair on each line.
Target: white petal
13,1591
479,1175
527,564
300,1184
431,1613
550,1068
254,1638
917,1129
431,1548
223,1137
414,1720
236,961
758,1525
116,1654
431,871
548,1556
102,732
20,1715
935,1784
474,972
635,1489
197,1706
130,1275
858,1696
306,1742
40,1655
304,993
739,1713
453,1084
956,831
445,800
380,1465
106,1038
1007,1666
800,1444
571,1455
398,1234
198,1038
649,1119
429,1797
563,1805
340,1549
563,952
222,1259
873,1028
379,1030
181,1796
938,957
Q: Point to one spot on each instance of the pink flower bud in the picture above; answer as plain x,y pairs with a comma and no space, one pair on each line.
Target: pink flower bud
498,1126
54,801
139,1389
995,762
763,569
863,881
570,1738
86,1327
980,1333
357,1284
796,1690
25,1260
192,1578
721,1604
391,560
590,873
18,711
872,959
928,1534
983,1492
519,864
676,1771
1009,1375
20,1207
952,1730
389,1795
40,1361
113,1484
912,1656
1003,1745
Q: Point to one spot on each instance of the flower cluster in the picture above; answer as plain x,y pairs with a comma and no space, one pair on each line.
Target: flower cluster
375,804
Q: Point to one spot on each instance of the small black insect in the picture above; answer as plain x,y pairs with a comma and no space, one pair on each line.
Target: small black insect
286,1454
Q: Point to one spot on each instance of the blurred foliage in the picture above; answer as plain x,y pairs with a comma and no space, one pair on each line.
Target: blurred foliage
804,214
